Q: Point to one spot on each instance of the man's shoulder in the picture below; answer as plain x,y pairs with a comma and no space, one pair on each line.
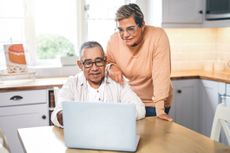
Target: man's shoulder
110,81
113,83
79,77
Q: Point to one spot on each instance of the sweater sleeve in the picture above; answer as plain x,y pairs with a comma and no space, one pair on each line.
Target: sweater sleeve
161,72
109,54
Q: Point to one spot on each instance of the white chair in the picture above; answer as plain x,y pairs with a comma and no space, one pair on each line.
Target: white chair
4,148
221,119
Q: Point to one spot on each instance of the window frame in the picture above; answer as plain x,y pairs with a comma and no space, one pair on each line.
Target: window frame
52,67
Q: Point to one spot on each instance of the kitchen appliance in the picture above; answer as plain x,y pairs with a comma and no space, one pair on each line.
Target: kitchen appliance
217,9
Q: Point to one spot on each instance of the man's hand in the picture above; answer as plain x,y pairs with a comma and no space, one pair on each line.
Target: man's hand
165,117
59,117
116,74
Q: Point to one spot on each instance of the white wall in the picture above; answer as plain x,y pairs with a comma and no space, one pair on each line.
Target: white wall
152,10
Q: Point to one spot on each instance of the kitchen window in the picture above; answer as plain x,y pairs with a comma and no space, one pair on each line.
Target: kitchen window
100,19
49,28
11,24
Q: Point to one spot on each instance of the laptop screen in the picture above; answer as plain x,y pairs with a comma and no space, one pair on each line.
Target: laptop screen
106,126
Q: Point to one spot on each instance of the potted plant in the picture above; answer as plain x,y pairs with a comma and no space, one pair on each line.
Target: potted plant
69,59
56,46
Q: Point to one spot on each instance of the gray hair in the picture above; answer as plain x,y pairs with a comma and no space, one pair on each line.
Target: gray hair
129,10
91,44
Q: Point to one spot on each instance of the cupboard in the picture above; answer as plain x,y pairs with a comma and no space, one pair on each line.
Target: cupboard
22,109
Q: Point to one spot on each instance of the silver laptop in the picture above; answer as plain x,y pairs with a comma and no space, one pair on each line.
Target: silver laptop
100,126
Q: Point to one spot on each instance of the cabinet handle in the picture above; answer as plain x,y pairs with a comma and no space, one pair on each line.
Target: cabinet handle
179,91
43,117
16,98
201,11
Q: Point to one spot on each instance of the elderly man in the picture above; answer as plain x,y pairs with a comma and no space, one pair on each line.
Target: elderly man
91,85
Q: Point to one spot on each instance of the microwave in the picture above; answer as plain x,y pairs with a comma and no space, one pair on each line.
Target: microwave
217,9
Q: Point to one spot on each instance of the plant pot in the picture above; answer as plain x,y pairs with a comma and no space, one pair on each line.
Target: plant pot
68,60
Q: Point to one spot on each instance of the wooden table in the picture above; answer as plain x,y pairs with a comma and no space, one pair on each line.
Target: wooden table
157,136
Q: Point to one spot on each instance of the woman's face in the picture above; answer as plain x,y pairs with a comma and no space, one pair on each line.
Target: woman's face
130,32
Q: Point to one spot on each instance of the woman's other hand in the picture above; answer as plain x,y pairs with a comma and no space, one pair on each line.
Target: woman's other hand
165,117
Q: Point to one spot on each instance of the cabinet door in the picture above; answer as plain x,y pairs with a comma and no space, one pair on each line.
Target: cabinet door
226,100
182,11
185,103
209,100
21,109
12,118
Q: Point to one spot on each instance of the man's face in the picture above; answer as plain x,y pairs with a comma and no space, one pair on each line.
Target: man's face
130,32
93,66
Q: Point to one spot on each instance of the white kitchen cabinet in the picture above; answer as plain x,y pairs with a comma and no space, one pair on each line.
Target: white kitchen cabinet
22,109
187,14
185,108
182,12
195,102
225,99
208,102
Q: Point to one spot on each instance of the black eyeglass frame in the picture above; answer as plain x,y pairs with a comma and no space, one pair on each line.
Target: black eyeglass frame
99,62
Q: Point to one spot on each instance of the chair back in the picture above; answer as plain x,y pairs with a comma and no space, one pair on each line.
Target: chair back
221,120
4,148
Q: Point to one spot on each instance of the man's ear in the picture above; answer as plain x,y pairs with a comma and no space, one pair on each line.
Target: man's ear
79,64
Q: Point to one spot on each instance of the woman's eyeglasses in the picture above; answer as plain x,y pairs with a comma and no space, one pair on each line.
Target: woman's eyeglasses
130,30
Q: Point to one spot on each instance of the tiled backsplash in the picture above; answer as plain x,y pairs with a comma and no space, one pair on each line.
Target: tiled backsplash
199,48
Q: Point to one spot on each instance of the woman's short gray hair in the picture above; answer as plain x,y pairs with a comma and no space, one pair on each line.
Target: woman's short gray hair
129,10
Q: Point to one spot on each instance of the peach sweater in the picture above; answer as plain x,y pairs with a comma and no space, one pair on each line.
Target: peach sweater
146,66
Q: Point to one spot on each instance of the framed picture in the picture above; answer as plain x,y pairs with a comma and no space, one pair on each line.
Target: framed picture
15,58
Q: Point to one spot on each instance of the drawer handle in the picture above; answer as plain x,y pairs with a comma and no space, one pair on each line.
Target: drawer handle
16,98
43,117
179,91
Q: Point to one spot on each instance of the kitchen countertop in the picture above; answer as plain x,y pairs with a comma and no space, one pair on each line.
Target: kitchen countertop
156,136
30,84
46,83
189,74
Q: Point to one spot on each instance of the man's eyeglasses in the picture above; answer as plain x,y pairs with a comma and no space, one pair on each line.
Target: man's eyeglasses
99,61
130,30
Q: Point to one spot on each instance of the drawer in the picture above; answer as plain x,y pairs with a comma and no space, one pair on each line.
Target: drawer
23,97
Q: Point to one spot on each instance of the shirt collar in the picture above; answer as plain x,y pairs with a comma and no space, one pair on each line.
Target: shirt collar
83,81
